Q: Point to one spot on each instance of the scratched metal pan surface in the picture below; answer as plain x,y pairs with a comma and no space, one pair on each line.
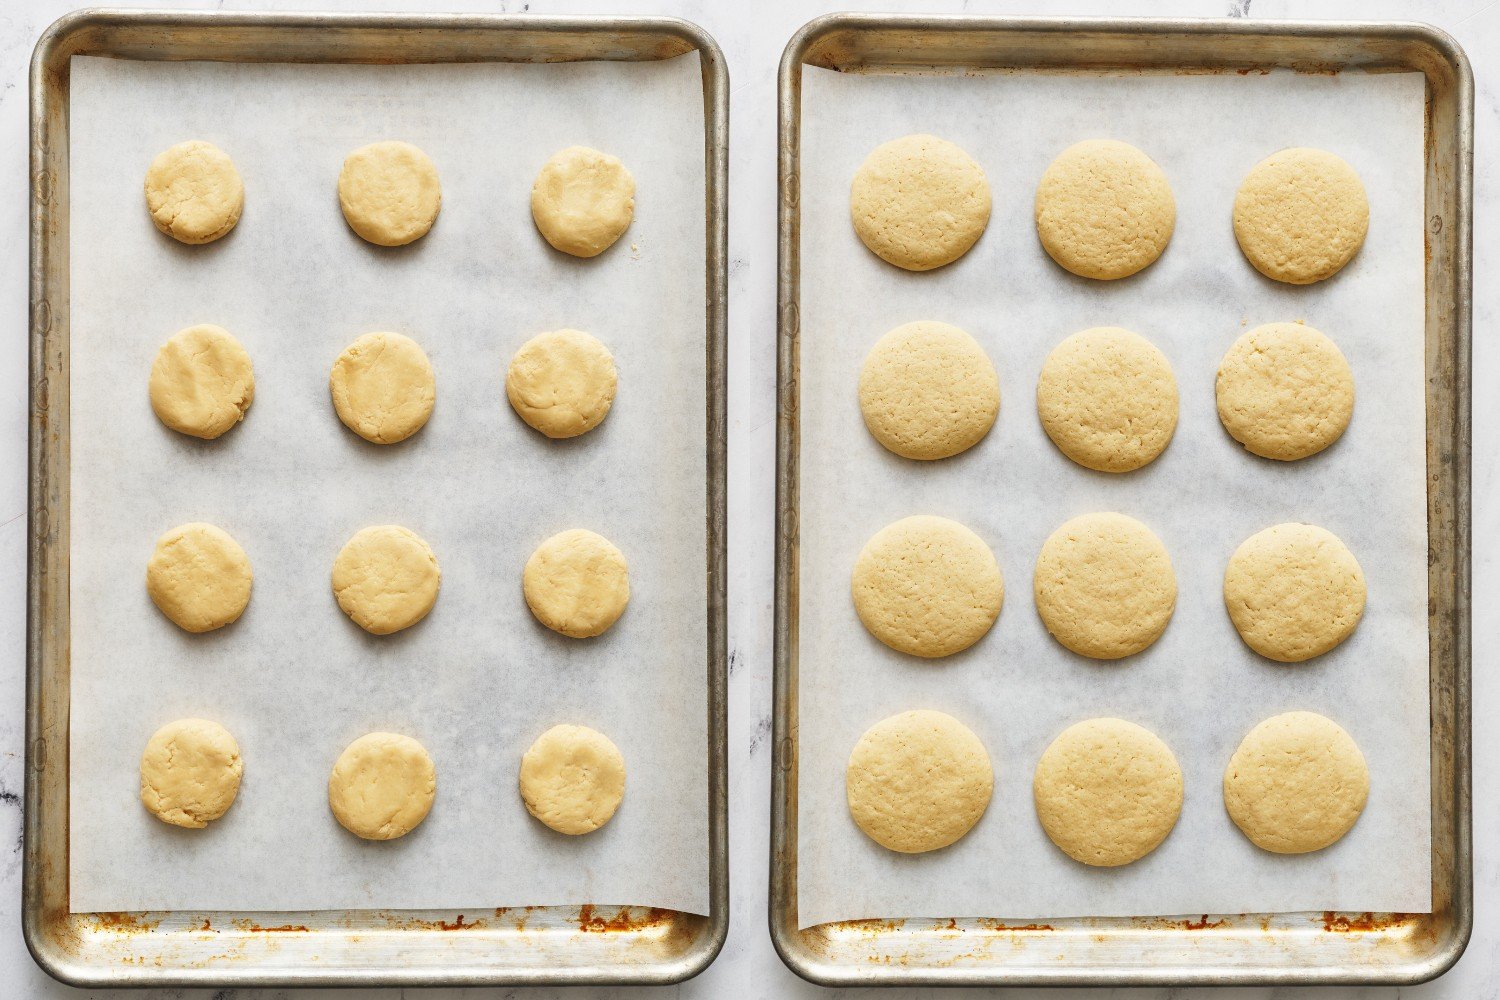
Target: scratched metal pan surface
1229,949
526,945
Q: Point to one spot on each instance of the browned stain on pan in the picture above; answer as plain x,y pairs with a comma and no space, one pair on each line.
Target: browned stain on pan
1365,923
592,922
122,923
419,924
251,927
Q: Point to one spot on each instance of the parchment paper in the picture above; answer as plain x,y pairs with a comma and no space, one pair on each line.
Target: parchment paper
294,680
1198,687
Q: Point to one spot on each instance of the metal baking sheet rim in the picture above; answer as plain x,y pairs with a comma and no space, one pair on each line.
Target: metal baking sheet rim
1346,948
580,945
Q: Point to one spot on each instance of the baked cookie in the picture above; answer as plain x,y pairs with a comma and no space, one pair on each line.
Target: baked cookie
386,579
572,779
382,786
190,773
389,192
562,383
382,387
1300,215
928,391
1104,209
1294,591
1107,398
919,202
927,586
582,201
1296,784
202,381
199,577
577,583
1285,391
193,192
918,781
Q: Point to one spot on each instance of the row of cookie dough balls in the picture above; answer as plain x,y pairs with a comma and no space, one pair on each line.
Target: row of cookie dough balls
383,784
386,579
1106,396
582,201
1104,588
561,383
1107,791
1105,210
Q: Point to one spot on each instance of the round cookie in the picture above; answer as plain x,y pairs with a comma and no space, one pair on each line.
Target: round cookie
382,786
190,773
927,586
193,192
919,202
918,781
1104,586
202,381
1300,215
382,387
1104,209
576,583
199,577
562,383
386,579
1285,391
582,201
572,779
1294,591
1296,784
1107,792
389,192
928,391
1107,398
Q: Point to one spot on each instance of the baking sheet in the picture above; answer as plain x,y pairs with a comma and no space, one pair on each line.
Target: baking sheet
294,680
1198,687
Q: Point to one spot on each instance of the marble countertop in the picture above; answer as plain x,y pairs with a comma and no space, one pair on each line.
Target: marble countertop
752,35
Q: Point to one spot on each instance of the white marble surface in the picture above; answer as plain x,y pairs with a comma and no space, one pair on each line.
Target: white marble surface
752,35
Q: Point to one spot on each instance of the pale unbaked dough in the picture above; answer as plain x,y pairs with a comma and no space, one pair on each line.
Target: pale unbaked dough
1107,398
928,391
1300,215
1104,209
576,583
1296,784
382,786
918,781
562,383
1104,586
389,192
202,381
1107,792
582,201
199,577
190,773
1294,591
386,578
572,779
193,192
1285,391
927,586
919,202
382,387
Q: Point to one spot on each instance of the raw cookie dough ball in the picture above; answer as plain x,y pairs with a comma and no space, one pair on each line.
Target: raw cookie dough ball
1296,784
1107,792
1294,591
928,390
386,579
1104,209
382,387
1285,391
562,383
202,381
582,201
919,202
918,781
927,586
1108,400
389,192
382,786
193,192
572,779
199,577
1300,215
1104,586
576,583
190,773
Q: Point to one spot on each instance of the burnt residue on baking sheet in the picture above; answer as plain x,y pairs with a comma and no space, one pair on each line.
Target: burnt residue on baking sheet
120,923
1366,923
458,923
623,921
